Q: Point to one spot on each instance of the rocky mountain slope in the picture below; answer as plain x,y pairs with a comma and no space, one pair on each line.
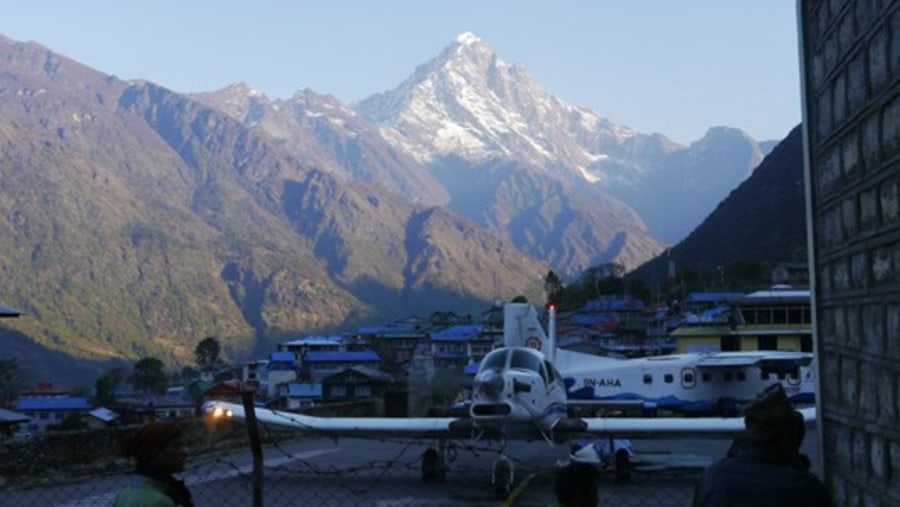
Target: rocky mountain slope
137,221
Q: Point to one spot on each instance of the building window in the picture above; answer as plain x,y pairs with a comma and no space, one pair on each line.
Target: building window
768,342
806,343
339,391
730,343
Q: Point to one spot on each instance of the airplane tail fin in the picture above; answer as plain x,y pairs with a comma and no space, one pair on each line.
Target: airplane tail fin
522,328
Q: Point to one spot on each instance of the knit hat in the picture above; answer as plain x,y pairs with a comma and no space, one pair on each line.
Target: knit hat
145,444
770,415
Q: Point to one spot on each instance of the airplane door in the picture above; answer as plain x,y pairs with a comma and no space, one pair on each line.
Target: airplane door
688,377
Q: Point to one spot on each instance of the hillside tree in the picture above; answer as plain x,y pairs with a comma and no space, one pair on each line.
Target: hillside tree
553,287
106,385
148,376
206,354
12,380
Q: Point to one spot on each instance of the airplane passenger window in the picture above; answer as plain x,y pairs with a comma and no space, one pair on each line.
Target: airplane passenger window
741,376
706,377
525,361
794,375
764,375
668,378
688,378
728,376
781,376
648,379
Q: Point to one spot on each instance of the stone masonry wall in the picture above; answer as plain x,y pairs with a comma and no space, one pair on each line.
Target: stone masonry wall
851,97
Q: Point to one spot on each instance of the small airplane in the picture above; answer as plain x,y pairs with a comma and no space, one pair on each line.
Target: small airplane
518,393
712,383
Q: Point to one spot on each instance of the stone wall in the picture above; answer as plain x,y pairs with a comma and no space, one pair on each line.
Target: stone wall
850,59
60,457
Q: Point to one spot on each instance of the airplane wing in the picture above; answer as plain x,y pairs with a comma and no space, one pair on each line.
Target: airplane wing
668,427
339,426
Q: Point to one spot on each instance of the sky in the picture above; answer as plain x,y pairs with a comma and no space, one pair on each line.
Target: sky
676,67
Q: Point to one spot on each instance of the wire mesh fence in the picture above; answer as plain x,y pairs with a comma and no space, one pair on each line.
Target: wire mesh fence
320,472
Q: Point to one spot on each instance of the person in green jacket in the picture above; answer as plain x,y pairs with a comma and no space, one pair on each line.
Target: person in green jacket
159,451
576,485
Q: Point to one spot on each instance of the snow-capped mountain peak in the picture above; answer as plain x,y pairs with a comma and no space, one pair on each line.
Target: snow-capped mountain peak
469,102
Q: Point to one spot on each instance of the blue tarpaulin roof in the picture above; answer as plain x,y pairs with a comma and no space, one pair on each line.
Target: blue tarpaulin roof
76,403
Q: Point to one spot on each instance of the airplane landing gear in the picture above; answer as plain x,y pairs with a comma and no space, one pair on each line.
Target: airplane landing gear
434,461
433,469
622,466
502,477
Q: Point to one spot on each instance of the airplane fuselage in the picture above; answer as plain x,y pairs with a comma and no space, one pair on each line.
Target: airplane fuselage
683,382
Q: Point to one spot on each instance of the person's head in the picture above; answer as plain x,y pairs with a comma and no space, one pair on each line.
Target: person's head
772,423
157,446
576,485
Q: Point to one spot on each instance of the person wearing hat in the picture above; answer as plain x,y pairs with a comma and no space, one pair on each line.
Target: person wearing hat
158,449
765,467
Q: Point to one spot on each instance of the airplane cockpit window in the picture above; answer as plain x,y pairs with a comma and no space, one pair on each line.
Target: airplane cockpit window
524,360
496,359
551,374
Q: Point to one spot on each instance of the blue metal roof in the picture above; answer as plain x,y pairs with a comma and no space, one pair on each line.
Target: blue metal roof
9,312
316,340
458,333
588,320
68,403
712,297
613,304
342,357
283,357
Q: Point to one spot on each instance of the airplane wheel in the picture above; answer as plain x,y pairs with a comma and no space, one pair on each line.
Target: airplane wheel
503,478
432,467
623,466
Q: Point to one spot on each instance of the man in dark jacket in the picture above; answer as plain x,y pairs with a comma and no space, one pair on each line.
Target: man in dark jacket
768,469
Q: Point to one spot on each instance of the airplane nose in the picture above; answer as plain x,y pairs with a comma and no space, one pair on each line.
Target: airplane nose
491,383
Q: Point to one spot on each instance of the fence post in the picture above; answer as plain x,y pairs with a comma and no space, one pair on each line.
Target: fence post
255,447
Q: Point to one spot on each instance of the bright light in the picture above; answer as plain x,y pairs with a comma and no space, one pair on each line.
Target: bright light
229,413
217,412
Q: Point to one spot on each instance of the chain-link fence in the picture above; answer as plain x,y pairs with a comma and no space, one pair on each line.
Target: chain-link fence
314,471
